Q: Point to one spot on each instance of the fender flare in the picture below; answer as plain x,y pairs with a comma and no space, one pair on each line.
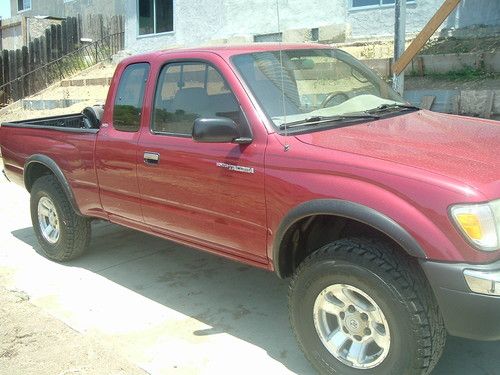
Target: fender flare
346,209
58,173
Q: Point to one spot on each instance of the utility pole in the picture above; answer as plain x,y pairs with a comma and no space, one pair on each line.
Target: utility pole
398,80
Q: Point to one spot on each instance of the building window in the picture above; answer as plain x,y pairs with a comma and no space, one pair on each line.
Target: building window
155,16
23,5
374,3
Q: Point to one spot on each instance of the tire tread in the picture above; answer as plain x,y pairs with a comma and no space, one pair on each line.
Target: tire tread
77,228
396,268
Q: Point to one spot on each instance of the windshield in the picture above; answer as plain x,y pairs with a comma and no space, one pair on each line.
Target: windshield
312,83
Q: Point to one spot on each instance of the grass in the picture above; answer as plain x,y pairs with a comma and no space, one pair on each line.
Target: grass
465,74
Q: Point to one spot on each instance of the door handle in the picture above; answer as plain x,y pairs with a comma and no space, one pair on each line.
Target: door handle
151,157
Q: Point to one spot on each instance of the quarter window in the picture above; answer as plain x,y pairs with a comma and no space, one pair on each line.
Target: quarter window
155,16
129,97
187,91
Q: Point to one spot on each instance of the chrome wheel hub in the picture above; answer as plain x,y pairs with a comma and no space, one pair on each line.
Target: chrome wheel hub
351,326
48,220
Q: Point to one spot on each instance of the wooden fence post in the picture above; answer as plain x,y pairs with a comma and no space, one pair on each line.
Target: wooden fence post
2,80
54,54
48,55
24,71
65,35
59,41
2,90
13,72
74,33
32,66
6,74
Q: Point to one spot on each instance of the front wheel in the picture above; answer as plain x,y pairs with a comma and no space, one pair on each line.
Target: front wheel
359,306
62,234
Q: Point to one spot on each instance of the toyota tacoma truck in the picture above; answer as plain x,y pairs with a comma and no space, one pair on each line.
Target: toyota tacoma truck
297,159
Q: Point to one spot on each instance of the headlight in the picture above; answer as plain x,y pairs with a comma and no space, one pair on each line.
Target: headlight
480,223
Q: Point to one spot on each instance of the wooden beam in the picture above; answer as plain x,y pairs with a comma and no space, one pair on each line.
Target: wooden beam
424,35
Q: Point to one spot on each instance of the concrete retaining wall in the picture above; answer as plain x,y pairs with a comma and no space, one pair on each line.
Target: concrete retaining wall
87,82
43,104
441,64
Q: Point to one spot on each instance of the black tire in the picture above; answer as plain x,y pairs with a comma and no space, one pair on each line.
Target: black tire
75,230
93,115
394,281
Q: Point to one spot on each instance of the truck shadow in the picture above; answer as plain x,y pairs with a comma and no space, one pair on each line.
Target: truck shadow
230,297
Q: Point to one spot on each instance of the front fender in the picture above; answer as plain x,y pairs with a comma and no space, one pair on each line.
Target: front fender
350,210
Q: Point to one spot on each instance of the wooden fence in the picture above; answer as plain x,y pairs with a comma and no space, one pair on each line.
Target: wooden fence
54,56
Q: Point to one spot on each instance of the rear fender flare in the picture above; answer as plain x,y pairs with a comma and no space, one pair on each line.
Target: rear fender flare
56,171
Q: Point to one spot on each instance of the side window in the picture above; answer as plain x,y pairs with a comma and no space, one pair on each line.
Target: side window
128,102
187,91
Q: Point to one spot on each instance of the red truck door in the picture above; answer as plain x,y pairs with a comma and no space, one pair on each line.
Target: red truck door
187,191
116,146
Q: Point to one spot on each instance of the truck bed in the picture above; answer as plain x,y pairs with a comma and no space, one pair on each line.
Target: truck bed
76,122
65,140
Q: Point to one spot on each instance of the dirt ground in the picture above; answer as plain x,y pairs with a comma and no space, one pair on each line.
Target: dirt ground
32,342
461,45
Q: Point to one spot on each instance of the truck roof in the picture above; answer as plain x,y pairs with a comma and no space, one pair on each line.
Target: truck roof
230,50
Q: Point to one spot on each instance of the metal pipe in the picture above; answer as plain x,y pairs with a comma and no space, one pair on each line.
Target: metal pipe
398,80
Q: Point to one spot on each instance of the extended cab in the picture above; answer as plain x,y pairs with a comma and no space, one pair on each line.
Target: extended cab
296,159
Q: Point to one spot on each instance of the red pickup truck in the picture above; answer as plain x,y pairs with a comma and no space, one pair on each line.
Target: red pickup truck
296,159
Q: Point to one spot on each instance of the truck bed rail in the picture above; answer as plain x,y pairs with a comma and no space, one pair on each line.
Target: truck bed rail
74,123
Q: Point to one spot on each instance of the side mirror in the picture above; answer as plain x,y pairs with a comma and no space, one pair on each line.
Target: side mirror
217,130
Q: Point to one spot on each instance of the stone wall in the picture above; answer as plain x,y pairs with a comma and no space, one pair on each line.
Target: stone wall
36,27
12,33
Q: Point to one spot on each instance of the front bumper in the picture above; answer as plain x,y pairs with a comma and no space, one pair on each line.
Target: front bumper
468,296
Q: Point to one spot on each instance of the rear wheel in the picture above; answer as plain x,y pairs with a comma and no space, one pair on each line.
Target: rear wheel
359,306
62,234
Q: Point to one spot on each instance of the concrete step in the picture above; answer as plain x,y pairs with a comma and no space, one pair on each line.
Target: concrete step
481,103
102,81
47,104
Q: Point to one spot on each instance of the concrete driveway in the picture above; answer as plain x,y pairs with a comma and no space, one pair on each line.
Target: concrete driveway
171,309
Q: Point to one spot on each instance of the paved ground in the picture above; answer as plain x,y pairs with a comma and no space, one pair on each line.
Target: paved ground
169,309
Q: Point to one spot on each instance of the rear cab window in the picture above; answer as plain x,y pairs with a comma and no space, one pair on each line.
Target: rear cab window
129,97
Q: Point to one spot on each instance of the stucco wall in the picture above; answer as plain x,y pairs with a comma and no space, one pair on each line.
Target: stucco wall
197,22
59,8
475,12
380,21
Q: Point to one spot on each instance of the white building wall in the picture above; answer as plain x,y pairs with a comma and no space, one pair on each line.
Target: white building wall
370,23
198,22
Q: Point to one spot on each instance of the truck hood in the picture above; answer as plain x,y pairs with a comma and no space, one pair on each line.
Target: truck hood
465,149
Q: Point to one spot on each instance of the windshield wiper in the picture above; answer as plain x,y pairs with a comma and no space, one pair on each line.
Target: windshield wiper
314,120
389,107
